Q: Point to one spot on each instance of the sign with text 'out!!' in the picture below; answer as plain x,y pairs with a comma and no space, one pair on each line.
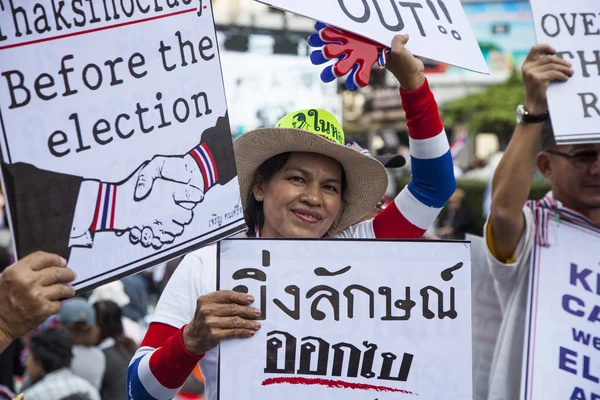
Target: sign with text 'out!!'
438,29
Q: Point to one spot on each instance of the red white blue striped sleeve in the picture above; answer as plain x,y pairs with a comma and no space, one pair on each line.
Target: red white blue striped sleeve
416,207
104,215
205,160
161,365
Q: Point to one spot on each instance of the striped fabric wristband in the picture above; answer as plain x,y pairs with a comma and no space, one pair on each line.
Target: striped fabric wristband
205,160
104,216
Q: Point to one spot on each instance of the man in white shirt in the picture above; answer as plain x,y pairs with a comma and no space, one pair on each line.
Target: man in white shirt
513,229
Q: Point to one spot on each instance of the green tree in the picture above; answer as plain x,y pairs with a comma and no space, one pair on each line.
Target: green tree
492,110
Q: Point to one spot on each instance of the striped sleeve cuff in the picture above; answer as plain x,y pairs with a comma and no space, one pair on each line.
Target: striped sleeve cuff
433,147
406,218
417,213
397,223
104,215
206,162
160,373
175,363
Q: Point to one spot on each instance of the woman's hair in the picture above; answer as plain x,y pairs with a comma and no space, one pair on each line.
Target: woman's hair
109,319
52,349
254,213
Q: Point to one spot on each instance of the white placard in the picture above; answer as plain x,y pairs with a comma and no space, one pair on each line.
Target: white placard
573,29
562,335
348,319
292,83
116,145
438,29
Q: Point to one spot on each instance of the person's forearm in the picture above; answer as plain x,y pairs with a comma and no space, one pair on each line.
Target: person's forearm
510,190
158,371
514,175
432,183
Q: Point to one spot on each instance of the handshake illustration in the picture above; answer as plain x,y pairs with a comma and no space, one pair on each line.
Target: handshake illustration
163,193
153,205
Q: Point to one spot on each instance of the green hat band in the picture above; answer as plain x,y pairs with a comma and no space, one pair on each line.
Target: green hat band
319,122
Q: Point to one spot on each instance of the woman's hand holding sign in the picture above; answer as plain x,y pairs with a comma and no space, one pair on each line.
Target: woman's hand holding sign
220,315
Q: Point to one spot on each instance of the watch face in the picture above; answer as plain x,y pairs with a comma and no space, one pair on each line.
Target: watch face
520,114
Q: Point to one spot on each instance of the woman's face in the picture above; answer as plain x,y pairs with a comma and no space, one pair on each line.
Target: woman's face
303,198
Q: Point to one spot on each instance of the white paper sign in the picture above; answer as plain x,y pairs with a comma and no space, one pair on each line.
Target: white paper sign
573,29
487,317
562,336
438,29
292,84
347,319
116,146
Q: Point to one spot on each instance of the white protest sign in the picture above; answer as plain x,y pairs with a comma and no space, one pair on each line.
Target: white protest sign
349,319
486,316
562,335
438,29
573,29
116,146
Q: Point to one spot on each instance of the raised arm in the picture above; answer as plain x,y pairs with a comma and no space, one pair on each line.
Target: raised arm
514,175
433,182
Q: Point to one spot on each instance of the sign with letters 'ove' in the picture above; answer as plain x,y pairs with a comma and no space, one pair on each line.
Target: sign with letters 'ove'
349,319
116,145
562,359
573,29
438,29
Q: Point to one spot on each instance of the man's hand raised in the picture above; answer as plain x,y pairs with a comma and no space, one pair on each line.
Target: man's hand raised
540,68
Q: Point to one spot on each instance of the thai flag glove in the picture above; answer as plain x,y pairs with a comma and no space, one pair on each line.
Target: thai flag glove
355,55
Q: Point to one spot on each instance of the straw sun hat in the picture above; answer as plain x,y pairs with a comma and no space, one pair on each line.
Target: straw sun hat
314,131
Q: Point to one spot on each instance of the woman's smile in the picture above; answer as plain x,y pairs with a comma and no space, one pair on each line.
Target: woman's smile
309,216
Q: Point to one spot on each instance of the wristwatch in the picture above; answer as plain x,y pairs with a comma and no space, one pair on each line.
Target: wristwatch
524,117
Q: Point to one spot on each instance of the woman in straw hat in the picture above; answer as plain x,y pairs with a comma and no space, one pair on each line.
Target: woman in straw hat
298,180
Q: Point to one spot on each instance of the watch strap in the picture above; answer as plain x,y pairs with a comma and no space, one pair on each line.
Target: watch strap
535,118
